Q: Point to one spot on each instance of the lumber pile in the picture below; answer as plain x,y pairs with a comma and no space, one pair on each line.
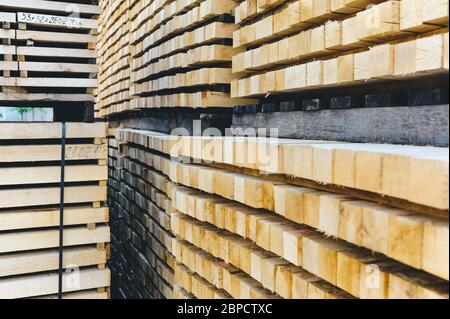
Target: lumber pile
142,263
114,49
30,177
330,220
166,54
47,51
304,45
192,54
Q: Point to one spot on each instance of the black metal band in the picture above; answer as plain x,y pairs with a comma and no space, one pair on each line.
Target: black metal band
61,210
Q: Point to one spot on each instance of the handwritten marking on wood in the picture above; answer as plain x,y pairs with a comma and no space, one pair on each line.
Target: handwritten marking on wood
85,151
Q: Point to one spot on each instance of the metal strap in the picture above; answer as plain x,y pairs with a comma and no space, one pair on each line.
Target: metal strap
61,210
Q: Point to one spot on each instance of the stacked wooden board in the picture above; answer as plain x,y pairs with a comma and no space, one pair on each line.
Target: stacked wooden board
47,50
278,218
305,45
166,54
179,53
30,177
114,60
141,262
330,220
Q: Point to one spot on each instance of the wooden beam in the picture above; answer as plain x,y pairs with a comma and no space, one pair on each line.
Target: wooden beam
8,17
50,6
39,261
58,67
393,125
47,284
7,49
50,196
56,21
56,52
41,239
37,153
46,97
34,131
52,174
7,34
49,82
88,294
55,36
37,218
9,65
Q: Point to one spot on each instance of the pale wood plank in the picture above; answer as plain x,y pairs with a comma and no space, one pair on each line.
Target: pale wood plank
36,153
56,21
8,17
41,239
55,36
47,284
46,97
36,218
56,52
58,67
88,294
51,174
7,49
22,131
50,196
7,34
49,82
50,6
30,262
9,65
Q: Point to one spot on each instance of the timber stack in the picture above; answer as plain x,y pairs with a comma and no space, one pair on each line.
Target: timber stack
328,221
304,45
351,201
166,54
30,188
47,51
139,198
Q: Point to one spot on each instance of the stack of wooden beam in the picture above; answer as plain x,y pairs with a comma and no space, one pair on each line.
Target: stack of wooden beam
176,54
113,48
304,45
47,50
30,178
139,198
303,219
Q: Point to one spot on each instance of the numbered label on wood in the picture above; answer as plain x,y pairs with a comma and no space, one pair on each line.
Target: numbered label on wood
69,22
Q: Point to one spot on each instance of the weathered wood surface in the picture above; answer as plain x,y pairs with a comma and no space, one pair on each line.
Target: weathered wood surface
418,125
